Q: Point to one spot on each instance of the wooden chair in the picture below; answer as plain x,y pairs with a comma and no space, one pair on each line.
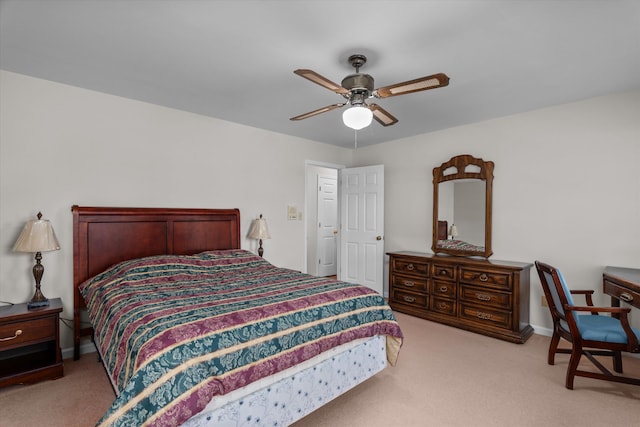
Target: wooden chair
589,334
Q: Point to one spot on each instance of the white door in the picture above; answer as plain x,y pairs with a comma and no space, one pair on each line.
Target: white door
327,225
362,226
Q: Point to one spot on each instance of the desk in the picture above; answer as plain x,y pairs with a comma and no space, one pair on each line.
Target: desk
622,284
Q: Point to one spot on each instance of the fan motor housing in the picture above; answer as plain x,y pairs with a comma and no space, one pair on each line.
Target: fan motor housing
358,81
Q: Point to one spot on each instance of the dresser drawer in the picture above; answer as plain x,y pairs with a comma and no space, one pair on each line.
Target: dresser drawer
408,298
410,267
498,280
485,315
443,289
21,332
407,282
444,272
486,297
622,293
443,306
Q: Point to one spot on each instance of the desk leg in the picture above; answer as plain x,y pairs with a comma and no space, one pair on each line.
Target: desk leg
617,356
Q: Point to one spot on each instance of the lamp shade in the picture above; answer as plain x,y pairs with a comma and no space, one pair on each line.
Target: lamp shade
37,236
259,229
357,117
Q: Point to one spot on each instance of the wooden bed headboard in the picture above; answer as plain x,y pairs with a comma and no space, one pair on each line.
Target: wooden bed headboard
104,236
443,230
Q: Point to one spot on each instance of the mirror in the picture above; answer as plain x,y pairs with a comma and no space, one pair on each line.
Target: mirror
462,197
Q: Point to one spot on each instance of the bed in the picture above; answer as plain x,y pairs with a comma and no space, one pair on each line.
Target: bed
195,331
459,245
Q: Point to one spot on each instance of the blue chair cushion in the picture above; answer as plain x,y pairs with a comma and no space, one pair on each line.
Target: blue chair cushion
602,328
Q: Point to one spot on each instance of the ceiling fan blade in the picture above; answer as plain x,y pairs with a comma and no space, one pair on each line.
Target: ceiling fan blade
322,81
416,85
382,116
316,112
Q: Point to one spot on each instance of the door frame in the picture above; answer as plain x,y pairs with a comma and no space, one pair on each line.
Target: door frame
307,165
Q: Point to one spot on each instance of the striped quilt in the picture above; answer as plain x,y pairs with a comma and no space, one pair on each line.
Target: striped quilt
176,331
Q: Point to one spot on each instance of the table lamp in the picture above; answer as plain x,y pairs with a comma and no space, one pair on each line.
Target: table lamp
37,236
453,231
259,231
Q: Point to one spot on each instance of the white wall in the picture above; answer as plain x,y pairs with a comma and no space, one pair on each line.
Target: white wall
61,145
469,210
566,187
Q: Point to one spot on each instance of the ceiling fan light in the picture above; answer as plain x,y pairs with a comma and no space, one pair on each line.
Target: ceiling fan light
357,117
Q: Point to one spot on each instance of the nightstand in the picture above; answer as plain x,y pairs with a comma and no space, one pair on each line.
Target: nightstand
30,343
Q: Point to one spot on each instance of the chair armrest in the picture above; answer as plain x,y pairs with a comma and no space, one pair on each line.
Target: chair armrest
587,294
614,310
622,313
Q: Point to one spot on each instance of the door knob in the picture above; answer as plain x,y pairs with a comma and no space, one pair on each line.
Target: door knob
378,237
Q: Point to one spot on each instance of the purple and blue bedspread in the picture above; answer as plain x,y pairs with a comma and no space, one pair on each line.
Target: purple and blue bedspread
176,331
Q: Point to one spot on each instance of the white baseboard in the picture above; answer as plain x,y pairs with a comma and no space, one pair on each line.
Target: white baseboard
542,330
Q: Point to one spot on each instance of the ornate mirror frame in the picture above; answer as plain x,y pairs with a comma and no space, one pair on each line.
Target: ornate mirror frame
464,167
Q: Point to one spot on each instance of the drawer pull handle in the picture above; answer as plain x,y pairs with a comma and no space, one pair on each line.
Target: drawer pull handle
409,283
444,288
442,305
626,297
410,267
16,335
483,297
443,272
409,299
483,277
483,316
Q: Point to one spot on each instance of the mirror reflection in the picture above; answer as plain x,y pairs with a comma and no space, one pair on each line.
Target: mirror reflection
461,205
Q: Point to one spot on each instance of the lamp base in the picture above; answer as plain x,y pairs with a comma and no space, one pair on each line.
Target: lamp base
37,304
38,300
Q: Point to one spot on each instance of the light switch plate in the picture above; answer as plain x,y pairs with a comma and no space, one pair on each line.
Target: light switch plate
292,213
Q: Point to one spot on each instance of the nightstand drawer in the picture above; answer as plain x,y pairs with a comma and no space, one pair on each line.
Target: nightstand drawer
19,333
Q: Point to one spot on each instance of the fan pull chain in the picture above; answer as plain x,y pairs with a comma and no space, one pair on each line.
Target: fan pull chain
355,137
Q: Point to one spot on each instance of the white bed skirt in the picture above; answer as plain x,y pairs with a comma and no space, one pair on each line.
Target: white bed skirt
287,397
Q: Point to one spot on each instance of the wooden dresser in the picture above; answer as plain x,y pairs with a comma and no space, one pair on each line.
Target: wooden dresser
484,296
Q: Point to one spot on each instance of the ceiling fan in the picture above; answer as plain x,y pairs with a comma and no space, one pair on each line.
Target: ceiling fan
358,88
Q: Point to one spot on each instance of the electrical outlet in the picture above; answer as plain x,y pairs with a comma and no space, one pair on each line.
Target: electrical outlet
544,302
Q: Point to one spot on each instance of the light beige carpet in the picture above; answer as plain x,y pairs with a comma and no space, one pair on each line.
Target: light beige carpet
444,377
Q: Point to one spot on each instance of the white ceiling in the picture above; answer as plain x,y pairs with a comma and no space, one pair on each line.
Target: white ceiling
234,60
